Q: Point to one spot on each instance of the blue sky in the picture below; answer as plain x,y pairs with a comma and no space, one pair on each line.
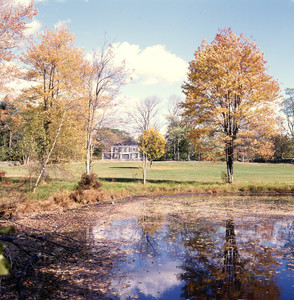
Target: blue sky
159,37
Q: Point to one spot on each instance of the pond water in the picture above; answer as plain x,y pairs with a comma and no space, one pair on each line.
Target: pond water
201,248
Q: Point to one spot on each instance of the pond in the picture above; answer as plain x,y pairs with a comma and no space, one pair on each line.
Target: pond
201,248
185,247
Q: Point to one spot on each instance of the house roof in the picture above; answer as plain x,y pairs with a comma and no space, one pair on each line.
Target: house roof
126,143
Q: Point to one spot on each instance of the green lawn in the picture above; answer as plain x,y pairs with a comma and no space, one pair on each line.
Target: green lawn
201,172
124,178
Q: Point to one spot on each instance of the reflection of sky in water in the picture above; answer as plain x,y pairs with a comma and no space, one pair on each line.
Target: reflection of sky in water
155,257
152,262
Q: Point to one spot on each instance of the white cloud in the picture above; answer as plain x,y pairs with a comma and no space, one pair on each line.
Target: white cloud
62,23
155,282
32,27
152,65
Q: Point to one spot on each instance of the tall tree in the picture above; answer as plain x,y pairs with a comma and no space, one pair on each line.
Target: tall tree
227,87
283,147
10,124
176,133
102,81
288,110
144,117
54,66
144,114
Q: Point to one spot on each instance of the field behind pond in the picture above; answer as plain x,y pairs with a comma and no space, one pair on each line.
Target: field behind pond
124,178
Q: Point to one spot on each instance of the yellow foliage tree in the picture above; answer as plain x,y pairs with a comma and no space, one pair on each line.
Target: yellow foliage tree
228,86
152,145
55,67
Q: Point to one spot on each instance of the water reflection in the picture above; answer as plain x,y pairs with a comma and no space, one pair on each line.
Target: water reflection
233,275
217,255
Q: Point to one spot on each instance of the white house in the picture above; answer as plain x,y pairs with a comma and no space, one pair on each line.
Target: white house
123,151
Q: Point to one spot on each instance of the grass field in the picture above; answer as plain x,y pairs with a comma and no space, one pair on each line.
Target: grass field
124,178
200,172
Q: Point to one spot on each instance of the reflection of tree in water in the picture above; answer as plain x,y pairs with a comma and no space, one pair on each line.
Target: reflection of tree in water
148,226
286,235
223,274
231,283
70,265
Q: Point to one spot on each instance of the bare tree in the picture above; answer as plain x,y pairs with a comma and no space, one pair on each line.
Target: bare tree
144,117
144,114
103,80
288,110
173,105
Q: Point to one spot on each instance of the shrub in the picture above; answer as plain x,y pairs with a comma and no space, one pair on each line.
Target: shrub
2,175
88,182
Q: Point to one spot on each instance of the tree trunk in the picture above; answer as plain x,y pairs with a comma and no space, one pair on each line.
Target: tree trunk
10,140
45,162
230,161
151,161
174,151
144,167
44,174
178,149
91,111
89,158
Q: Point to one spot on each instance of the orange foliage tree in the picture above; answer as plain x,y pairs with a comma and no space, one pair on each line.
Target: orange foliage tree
256,141
13,21
228,86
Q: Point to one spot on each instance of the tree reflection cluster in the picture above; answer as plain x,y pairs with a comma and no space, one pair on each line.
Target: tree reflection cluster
227,273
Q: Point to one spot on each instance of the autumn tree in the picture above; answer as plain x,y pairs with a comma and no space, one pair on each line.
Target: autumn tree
13,22
227,87
152,145
106,137
255,141
54,66
102,81
14,18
